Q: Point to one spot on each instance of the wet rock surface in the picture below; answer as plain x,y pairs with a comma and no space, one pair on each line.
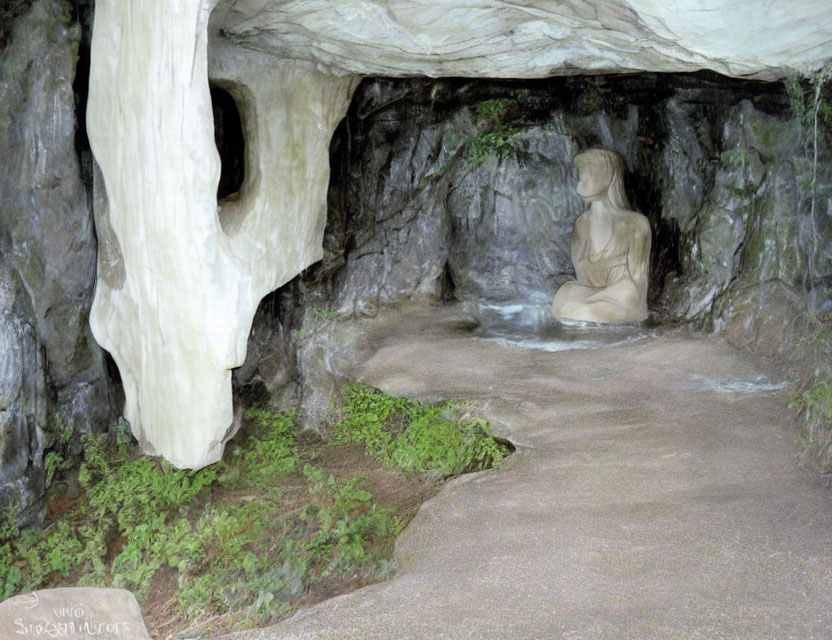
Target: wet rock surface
53,375
22,403
467,190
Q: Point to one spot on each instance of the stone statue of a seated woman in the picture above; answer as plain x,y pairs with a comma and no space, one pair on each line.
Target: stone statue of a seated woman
610,248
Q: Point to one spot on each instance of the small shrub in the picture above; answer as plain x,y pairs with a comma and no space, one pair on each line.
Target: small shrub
414,438
817,406
494,143
496,120
815,402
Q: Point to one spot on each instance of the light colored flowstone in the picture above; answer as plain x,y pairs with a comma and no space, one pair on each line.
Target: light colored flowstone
178,283
535,38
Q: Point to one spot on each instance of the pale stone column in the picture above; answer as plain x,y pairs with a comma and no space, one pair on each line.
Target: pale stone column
176,293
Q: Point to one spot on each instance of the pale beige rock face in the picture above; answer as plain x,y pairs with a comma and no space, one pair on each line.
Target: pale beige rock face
537,38
610,248
177,318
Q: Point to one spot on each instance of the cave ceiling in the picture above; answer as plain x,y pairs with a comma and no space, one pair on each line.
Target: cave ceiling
533,39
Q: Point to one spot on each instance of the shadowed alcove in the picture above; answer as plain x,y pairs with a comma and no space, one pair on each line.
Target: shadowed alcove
231,145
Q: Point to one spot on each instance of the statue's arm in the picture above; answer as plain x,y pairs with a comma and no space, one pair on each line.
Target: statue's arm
638,257
580,247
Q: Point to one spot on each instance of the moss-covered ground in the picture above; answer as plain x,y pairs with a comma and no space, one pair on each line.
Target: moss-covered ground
285,520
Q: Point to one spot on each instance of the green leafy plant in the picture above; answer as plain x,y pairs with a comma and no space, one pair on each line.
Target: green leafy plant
54,460
10,575
812,113
414,438
494,143
323,314
495,113
347,520
279,527
249,537
270,452
815,401
496,119
810,99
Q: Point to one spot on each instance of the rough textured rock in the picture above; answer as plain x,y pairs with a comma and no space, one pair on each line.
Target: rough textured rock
53,375
512,218
180,284
436,197
300,352
504,39
179,281
465,190
426,204
766,319
271,361
471,205
22,403
417,216
746,220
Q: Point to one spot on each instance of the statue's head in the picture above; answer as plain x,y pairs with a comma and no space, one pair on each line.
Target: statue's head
601,174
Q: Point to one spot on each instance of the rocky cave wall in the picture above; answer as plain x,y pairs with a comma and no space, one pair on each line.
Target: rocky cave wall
442,190
464,190
54,382
176,323
468,188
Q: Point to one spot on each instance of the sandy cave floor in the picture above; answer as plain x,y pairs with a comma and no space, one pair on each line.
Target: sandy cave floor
656,492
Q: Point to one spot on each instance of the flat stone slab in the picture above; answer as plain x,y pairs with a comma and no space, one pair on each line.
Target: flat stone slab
83,612
656,493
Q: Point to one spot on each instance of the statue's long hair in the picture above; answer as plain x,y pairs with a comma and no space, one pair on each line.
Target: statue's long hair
610,165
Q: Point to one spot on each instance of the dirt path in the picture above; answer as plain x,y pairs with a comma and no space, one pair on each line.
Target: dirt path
655,493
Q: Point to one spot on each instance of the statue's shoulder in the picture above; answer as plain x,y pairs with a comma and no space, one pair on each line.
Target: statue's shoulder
639,221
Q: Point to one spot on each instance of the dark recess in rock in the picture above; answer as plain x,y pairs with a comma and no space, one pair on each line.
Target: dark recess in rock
10,10
228,136
83,13
400,127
